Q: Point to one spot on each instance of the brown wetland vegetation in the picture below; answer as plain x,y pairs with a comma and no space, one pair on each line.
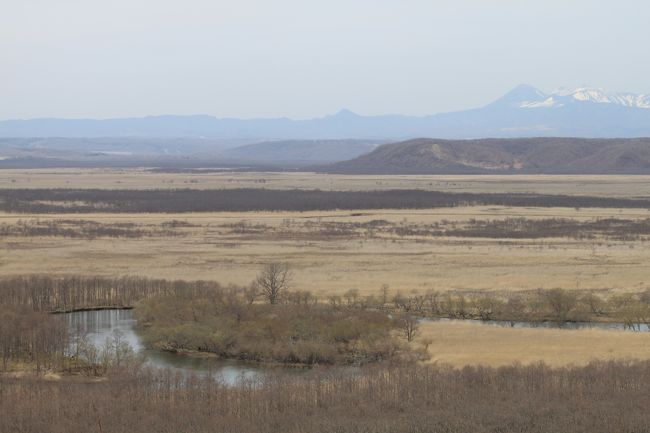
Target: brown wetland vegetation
349,276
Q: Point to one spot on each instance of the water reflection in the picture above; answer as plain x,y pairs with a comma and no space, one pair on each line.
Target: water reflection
100,325
550,325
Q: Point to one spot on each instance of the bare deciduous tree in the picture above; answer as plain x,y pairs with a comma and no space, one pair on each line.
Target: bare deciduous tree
251,293
351,297
334,300
274,279
410,326
561,303
384,294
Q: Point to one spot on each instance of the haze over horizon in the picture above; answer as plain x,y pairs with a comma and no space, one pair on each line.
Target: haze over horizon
346,112
253,59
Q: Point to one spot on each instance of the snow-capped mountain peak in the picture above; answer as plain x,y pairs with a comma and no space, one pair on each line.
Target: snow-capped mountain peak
601,96
594,95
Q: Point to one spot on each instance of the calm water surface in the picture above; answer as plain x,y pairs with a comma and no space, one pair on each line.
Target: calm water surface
100,325
552,325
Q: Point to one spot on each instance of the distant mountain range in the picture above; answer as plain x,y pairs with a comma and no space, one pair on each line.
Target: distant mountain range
177,152
518,155
523,112
533,98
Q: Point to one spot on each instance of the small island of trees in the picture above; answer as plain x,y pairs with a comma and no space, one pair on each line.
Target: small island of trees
266,322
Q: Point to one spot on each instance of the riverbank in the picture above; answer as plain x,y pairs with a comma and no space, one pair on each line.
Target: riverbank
602,322
98,308
610,324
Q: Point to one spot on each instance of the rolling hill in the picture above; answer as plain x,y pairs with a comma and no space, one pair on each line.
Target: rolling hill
300,151
521,155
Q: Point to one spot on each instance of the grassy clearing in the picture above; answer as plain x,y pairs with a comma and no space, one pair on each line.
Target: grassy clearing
461,344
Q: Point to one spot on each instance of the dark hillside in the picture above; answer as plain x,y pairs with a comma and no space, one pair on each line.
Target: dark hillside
520,155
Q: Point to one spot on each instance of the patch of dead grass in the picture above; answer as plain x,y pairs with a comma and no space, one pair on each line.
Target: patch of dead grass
462,343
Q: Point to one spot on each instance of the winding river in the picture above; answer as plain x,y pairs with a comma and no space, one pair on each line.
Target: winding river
612,326
100,324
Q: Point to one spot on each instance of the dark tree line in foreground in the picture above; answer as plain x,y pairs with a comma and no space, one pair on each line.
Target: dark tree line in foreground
192,200
598,398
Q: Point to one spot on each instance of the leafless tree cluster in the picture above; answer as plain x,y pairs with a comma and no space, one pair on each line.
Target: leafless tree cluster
288,327
112,356
598,398
273,285
69,293
543,305
30,337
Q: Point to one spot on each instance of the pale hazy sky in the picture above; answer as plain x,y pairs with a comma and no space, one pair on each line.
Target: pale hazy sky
305,58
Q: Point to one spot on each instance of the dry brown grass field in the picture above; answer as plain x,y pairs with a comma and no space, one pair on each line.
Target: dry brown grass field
327,258
112,178
461,344
232,247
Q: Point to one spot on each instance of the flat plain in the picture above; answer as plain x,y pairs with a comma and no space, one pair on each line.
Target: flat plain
332,252
327,257
112,178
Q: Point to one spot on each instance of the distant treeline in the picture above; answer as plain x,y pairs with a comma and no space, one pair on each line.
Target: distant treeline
86,229
543,305
191,200
601,397
528,228
506,228
70,293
